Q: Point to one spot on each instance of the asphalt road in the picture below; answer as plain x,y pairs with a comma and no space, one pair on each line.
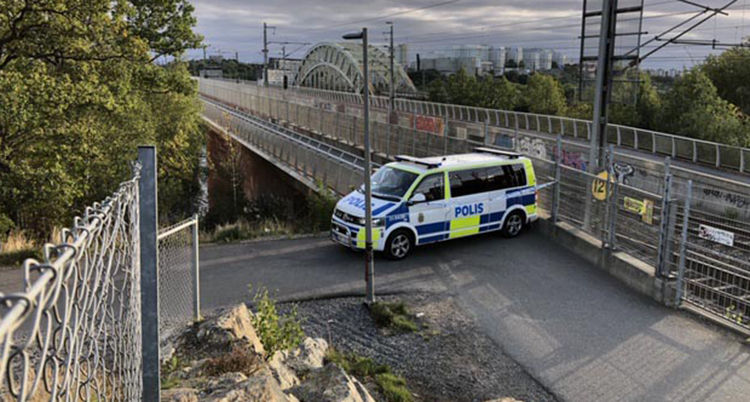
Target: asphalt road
577,330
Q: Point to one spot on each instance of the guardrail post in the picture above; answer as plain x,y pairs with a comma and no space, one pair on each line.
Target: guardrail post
445,135
664,219
487,132
683,243
558,171
148,228
196,270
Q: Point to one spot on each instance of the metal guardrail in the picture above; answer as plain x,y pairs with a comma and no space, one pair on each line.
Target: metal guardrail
316,161
649,141
74,332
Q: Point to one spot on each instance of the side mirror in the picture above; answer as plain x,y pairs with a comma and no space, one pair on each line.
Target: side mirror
417,198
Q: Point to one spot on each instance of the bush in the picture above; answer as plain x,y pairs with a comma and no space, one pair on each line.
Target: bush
238,360
392,386
319,211
276,332
393,315
242,230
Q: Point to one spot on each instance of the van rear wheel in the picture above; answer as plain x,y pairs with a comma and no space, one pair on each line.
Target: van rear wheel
513,224
399,244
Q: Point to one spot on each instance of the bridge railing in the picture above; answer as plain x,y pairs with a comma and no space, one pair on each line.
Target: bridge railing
677,147
316,162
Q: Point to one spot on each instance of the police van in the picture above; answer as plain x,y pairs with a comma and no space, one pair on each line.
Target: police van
417,201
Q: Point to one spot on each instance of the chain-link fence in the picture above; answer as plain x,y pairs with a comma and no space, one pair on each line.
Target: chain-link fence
179,275
74,332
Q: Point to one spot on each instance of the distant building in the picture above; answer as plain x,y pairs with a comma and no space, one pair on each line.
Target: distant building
498,56
402,54
515,54
560,59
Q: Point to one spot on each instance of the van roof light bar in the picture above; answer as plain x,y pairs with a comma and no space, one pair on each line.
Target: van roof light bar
508,154
411,159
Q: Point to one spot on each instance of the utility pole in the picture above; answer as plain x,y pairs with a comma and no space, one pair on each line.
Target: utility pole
265,55
391,104
603,84
237,59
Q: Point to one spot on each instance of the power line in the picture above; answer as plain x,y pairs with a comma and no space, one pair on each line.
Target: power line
444,3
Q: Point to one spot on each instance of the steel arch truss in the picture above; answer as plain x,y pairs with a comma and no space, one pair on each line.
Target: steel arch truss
338,66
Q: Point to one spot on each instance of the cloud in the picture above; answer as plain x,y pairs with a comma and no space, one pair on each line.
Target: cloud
236,25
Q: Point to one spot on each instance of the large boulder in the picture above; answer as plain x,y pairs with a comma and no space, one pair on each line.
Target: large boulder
309,355
226,329
331,384
261,386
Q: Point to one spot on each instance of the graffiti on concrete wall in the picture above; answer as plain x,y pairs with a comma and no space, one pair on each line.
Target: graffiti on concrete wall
738,201
623,172
429,124
533,147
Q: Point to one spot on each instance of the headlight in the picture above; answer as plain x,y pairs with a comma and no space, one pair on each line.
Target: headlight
378,222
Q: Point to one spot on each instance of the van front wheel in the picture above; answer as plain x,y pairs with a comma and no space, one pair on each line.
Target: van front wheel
399,245
513,224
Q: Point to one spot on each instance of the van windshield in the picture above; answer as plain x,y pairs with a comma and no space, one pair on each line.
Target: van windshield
391,183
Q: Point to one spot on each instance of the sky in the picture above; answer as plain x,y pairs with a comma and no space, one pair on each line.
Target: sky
431,27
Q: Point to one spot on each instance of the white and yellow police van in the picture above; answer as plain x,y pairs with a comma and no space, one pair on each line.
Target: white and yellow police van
417,201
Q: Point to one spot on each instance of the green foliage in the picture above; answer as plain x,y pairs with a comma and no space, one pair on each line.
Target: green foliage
730,74
78,93
545,95
243,230
230,68
393,315
6,225
276,332
392,386
464,89
636,105
320,208
168,370
695,109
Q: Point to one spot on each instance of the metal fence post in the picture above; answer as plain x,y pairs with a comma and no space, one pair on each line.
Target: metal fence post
612,211
196,271
558,171
445,136
487,132
683,243
147,188
664,237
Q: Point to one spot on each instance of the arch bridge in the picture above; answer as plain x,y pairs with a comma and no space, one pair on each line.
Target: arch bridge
338,67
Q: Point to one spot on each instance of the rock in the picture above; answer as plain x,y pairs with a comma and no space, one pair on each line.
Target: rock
229,326
261,386
180,395
283,374
506,399
331,384
308,356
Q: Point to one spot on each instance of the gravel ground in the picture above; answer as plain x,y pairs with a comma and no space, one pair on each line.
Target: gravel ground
448,359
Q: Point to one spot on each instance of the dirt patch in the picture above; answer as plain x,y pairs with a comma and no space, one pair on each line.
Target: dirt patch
447,359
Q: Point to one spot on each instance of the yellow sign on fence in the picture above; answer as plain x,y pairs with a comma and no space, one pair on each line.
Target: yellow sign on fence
599,187
643,208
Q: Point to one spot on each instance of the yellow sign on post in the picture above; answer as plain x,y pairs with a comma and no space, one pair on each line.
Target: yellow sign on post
599,187
643,208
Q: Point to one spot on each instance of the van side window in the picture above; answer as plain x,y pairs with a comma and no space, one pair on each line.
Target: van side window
432,187
468,182
517,174
498,179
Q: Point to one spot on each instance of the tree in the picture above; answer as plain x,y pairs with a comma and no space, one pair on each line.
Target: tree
635,104
545,95
730,73
694,108
78,93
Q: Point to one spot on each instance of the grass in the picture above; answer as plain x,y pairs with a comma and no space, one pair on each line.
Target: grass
393,315
243,230
17,247
168,369
238,360
391,385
